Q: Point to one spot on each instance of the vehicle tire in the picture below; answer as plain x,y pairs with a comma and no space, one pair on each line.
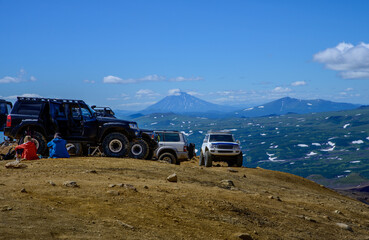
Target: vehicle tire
208,159
39,140
115,145
74,149
150,154
239,160
201,159
191,151
138,149
168,157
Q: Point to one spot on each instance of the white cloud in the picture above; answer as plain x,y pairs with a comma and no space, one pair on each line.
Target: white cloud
183,79
175,92
281,90
8,79
298,83
193,93
146,93
349,89
352,62
118,80
30,95
21,78
89,81
148,78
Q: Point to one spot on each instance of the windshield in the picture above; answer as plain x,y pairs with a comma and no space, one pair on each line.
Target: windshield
221,138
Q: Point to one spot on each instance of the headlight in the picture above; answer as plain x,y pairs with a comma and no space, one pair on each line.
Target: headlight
133,125
212,145
237,147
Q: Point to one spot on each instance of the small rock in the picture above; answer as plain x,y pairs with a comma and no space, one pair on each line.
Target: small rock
228,184
113,193
232,170
172,178
6,208
23,190
146,187
125,224
271,197
130,186
244,236
111,185
91,171
71,184
244,176
51,183
337,212
344,226
309,219
15,164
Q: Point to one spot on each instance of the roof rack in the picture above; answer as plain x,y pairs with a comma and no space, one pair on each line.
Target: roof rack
49,100
166,131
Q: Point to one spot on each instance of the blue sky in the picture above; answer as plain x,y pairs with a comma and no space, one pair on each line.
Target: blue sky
130,54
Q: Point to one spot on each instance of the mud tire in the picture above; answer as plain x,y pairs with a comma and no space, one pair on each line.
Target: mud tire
168,157
115,145
138,149
208,159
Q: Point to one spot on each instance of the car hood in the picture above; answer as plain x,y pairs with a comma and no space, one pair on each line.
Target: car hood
224,143
113,120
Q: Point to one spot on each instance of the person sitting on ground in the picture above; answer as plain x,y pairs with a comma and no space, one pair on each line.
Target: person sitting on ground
27,150
58,147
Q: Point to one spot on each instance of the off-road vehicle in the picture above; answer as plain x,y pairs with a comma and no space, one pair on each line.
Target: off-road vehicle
172,147
220,146
5,108
77,123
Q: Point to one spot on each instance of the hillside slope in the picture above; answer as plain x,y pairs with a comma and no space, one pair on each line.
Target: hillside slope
263,203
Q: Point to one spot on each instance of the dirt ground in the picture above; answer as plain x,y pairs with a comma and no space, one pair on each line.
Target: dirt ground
35,204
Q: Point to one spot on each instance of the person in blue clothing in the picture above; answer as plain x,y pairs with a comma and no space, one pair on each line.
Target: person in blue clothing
58,147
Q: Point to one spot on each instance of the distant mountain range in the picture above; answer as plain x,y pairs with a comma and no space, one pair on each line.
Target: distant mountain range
186,104
288,105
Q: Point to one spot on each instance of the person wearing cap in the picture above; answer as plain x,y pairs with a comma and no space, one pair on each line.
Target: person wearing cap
58,147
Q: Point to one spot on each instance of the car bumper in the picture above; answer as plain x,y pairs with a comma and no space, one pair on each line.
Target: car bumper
224,152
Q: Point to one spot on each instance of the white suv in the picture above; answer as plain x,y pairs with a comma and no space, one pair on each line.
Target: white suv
220,146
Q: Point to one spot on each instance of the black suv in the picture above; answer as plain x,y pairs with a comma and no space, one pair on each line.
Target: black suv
5,108
78,124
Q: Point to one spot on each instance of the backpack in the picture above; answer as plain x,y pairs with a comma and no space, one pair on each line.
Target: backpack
9,155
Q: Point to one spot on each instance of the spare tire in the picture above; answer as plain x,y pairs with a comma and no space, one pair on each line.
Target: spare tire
115,145
138,149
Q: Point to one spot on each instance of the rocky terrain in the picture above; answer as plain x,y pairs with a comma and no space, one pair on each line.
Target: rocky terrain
106,198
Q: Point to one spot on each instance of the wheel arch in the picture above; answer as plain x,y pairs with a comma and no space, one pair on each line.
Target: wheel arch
30,127
110,130
167,150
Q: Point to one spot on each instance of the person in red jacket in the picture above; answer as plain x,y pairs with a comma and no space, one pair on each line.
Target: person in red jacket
27,150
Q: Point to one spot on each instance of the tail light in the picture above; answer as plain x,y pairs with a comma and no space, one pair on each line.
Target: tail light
185,149
9,121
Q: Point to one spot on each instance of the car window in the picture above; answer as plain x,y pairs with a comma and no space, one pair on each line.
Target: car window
58,110
75,112
171,137
86,113
29,108
160,137
2,108
221,138
9,107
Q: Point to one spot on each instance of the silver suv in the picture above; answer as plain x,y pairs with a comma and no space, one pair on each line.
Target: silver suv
220,146
173,146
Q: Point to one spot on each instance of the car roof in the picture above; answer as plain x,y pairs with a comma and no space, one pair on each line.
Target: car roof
33,99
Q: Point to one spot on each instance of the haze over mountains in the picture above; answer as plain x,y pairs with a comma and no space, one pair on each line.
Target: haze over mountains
186,104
